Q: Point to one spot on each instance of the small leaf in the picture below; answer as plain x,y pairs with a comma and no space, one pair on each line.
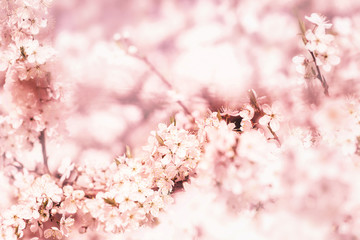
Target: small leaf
302,26
22,52
173,120
303,31
45,203
117,162
313,71
128,152
252,96
160,140
253,101
304,39
218,115
110,201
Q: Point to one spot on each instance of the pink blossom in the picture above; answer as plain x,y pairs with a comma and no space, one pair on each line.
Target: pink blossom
154,205
247,113
203,174
36,53
328,59
27,20
66,224
271,118
318,41
53,232
114,221
320,21
65,169
301,63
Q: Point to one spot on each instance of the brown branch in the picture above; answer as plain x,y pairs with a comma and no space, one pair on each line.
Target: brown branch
43,149
274,134
153,69
320,77
260,112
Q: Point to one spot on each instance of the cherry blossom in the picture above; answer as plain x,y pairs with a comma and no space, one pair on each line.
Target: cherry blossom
53,232
302,64
320,22
66,224
272,117
323,51
318,41
327,60
163,142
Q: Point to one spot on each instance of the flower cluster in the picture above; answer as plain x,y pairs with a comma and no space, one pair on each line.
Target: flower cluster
38,199
289,157
31,96
173,156
120,196
321,47
320,43
239,161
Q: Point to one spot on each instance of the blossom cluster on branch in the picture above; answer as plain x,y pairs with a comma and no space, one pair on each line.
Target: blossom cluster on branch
291,155
322,51
31,96
130,191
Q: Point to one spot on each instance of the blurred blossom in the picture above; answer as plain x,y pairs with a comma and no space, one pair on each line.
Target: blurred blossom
132,119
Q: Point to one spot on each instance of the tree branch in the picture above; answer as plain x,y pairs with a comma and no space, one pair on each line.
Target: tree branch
320,77
275,135
43,149
153,69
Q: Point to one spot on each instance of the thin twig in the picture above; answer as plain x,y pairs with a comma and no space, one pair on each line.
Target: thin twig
43,149
186,110
274,134
125,43
255,104
320,77
19,166
153,69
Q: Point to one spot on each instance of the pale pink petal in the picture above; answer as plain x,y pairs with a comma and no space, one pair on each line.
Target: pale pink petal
274,125
265,120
